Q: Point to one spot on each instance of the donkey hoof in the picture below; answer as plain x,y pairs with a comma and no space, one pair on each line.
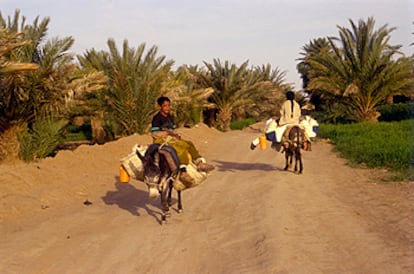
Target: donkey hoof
180,210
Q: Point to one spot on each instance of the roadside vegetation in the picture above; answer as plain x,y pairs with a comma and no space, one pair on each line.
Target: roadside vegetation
49,96
237,125
387,145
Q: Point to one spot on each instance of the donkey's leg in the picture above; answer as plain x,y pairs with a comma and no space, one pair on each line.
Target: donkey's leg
296,163
300,162
297,156
180,206
286,159
165,212
164,206
170,187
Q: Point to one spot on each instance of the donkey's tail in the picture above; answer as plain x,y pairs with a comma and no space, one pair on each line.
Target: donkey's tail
298,137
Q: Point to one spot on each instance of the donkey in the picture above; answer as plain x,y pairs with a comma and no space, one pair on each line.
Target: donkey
158,176
294,139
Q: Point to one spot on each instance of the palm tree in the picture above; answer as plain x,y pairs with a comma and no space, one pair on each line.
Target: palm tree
242,92
230,89
267,73
361,70
136,79
314,48
9,69
270,88
189,98
48,90
50,84
9,42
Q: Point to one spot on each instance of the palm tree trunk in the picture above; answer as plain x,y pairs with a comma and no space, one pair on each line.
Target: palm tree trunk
390,100
224,117
370,115
240,113
98,132
9,144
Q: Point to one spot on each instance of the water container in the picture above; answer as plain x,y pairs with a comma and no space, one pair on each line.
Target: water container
123,175
262,142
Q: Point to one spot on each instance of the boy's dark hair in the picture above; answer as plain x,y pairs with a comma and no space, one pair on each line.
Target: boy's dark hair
163,99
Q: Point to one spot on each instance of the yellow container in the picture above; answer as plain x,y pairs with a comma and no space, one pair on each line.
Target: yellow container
123,175
262,142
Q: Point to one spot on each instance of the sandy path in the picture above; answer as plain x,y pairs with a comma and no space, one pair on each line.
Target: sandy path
249,216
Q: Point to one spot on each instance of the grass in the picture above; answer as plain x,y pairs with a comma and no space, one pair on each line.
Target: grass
78,133
387,145
237,125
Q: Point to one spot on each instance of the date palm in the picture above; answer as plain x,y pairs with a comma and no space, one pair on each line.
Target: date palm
269,92
48,90
9,42
136,79
314,48
230,89
241,92
42,94
189,98
9,70
361,70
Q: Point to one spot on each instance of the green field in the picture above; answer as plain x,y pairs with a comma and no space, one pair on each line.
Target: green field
377,145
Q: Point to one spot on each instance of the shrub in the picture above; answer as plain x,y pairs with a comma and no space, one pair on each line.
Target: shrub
40,141
78,133
237,125
396,112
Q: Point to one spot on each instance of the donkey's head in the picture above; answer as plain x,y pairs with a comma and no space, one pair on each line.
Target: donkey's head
152,174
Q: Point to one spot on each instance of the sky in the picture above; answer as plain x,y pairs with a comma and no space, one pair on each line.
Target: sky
193,31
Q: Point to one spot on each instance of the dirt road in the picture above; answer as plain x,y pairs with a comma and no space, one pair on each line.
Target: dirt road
249,216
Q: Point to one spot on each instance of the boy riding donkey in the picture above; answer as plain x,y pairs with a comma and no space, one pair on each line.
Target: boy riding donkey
163,131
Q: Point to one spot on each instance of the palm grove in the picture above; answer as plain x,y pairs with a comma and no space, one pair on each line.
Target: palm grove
44,88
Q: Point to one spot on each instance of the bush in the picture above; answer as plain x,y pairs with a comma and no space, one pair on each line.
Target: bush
396,112
78,133
237,125
40,141
384,144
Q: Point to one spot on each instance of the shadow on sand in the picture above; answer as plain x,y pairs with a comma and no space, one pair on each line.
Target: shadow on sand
131,199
